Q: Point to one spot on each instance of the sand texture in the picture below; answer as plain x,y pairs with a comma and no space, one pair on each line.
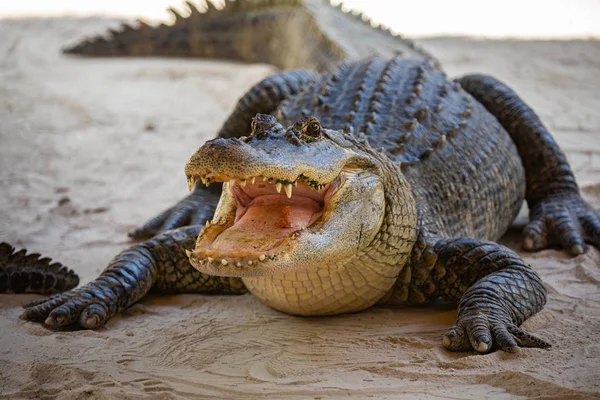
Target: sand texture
89,148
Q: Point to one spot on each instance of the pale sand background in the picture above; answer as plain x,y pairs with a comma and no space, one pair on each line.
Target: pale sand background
113,136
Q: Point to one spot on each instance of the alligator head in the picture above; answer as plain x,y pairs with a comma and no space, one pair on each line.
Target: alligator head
303,204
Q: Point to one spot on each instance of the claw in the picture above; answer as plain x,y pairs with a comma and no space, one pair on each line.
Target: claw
564,219
535,235
94,316
591,226
484,345
478,333
91,322
577,249
455,339
525,339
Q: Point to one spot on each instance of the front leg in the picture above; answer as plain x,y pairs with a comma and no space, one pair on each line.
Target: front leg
495,289
160,264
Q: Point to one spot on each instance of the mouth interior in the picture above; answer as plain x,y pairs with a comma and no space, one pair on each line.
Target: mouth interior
264,217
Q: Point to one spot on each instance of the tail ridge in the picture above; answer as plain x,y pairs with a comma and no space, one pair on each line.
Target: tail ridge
290,34
31,273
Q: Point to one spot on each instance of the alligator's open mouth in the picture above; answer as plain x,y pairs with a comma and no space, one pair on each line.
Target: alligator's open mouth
292,200
259,219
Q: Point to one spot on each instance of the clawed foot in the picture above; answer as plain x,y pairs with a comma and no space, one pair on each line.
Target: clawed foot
84,307
482,333
566,220
194,209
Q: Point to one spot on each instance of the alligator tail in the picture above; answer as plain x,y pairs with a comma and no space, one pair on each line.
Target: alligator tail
289,34
28,273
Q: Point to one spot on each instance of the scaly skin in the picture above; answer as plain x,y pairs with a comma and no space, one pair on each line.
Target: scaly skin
495,291
28,273
405,224
290,34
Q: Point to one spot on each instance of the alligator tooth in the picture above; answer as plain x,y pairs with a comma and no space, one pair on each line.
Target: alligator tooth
296,182
253,179
238,264
188,253
278,187
209,259
243,182
224,262
262,257
288,190
207,224
203,179
264,178
250,262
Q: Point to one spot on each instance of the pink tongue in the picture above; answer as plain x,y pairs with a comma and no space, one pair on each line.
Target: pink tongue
268,220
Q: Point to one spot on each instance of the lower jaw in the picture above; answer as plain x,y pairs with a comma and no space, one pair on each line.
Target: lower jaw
240,266
236,250
213,256
323,290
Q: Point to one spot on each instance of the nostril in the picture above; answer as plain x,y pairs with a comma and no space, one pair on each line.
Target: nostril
218,143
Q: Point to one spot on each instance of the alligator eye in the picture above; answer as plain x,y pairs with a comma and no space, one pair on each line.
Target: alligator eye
313,129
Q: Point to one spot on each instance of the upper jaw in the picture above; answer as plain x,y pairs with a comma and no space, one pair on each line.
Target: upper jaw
277,161
281,184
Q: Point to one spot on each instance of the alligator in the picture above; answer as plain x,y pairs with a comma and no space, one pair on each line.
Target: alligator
381,182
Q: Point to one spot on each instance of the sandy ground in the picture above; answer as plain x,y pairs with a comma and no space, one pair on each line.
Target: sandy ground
112,136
